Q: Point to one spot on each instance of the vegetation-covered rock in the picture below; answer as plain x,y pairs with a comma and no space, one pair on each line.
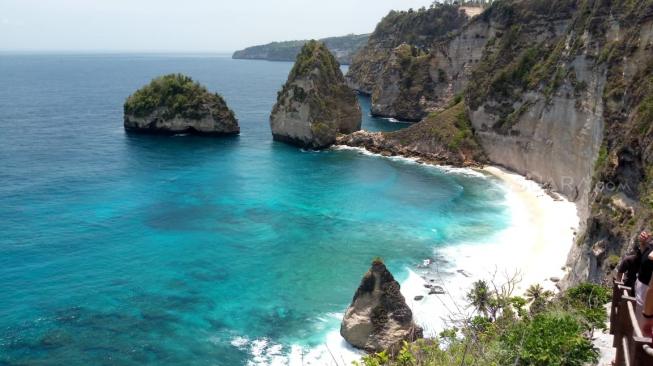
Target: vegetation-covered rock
315,104
440,138
174,104
405,86
343,48
378,317
417,28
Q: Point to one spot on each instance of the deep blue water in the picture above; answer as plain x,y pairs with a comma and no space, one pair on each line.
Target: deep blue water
120,249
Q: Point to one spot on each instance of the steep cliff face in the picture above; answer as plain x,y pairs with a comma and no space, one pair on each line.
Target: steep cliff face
560,91
414,82
558,98
620,202
414,28
378,318
315,104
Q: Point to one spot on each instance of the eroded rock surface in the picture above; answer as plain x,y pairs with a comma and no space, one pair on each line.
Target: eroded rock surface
378,318
175,104
315,104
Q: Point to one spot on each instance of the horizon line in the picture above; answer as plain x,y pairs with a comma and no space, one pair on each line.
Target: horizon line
109,51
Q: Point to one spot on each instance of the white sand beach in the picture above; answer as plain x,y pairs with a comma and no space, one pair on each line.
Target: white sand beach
535,247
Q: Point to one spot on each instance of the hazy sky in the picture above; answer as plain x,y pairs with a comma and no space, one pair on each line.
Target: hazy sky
190,25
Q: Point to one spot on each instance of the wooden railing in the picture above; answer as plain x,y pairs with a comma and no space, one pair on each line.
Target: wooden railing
632,348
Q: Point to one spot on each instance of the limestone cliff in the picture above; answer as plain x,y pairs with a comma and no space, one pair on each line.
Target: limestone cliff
378,318
175,104
560,91
556,98
414,28
415,82
315,104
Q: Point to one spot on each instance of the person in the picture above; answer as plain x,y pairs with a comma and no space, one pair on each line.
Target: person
629,265
644,288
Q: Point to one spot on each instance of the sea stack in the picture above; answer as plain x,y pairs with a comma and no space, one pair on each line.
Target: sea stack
315,104
175,104
378,318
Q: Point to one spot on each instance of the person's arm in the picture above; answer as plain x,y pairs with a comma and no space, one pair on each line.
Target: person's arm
622,268
647,327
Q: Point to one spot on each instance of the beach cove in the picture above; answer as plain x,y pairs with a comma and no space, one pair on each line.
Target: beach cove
543,225
138,247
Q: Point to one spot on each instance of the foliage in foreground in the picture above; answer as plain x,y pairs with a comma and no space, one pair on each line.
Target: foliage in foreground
552,331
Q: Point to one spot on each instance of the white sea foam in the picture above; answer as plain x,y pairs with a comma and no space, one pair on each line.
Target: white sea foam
334,352
534,246
409,160
239,342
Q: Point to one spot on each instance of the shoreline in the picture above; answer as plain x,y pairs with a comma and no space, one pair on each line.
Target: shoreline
555,221
535,245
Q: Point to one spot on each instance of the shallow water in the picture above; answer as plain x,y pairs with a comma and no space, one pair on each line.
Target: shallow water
120,249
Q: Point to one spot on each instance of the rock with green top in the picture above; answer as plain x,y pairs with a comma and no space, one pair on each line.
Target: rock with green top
175,104
315,104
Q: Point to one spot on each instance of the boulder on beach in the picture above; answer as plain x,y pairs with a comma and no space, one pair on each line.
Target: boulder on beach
175,104
315,104
436,290
378,318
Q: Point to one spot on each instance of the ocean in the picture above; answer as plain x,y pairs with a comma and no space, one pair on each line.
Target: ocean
120,249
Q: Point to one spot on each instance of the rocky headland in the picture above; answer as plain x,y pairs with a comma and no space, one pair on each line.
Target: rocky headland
343,48
315,104
443,138
175,104
396,66
378,318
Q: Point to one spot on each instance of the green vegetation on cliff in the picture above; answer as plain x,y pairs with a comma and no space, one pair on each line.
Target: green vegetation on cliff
317,87
417,28
176,95
343,48
520,58
408,69
448,130
550,331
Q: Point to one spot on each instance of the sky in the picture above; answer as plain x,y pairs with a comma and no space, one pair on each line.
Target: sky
182,26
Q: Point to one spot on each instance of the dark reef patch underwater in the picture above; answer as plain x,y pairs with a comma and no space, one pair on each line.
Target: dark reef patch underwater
131,249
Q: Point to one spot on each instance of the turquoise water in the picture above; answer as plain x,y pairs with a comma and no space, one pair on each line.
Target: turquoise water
123,250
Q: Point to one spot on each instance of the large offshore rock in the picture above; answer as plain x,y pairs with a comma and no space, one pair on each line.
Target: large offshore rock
378,317
315,104
174,104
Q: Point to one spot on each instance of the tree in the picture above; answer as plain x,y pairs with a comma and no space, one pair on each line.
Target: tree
538,297
480,297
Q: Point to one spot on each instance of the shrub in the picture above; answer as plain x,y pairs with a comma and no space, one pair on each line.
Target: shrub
587,301
554,336
550,338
